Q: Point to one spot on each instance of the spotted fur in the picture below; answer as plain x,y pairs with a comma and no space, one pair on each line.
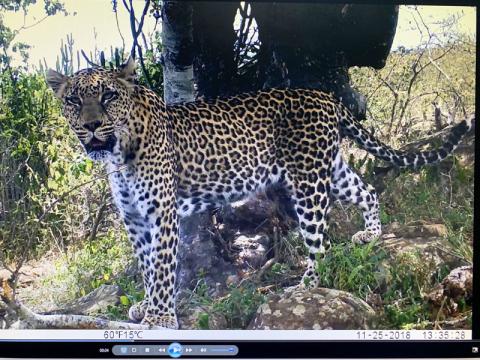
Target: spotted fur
171,161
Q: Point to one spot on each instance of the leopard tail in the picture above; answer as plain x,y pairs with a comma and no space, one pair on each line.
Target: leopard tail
351,128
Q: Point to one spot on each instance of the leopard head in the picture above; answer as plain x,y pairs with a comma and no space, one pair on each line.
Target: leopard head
96,103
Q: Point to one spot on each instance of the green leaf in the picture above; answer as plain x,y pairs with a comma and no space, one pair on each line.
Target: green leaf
203,323
124,300
52,184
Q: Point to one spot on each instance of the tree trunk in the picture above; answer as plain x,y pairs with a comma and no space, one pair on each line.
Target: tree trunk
313,45
214,40
177,52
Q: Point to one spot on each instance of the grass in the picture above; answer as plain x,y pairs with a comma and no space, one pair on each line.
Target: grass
353,268
400,281
438,196
238,307
98,262
411,278
433,194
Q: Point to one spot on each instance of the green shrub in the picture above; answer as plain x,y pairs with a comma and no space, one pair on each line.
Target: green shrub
98,262
352,268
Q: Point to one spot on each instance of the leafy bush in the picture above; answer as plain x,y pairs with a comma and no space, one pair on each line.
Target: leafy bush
26,109
99,262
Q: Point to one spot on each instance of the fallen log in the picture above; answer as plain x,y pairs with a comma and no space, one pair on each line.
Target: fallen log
31,320
28,319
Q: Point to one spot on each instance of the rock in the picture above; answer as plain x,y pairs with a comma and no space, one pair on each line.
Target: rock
253,251
198,254
428,239
318,309
417,230
456,287
96,301
459,283
201,318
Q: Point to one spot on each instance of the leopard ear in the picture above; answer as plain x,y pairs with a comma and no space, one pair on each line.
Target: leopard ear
127,72
57,82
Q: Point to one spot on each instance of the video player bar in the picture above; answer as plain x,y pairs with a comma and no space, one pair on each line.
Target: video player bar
175,350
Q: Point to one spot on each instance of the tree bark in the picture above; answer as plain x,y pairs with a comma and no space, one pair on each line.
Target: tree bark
177,52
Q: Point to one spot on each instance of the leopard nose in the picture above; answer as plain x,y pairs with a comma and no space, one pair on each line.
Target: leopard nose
92,126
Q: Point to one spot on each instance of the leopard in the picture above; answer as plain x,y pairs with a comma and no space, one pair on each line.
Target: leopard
168,161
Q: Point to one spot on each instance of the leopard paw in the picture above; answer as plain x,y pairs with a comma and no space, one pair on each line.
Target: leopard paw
136,312
364,237
309,281
160,321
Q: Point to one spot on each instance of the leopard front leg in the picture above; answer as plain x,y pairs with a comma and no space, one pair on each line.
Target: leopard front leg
161,262
161,267
138,231
139,235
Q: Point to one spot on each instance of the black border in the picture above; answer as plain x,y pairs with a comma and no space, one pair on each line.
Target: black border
301,349
259,349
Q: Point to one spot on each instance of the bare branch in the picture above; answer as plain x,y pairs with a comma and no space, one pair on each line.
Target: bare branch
27,319
119,31
89,62
25,27
144,69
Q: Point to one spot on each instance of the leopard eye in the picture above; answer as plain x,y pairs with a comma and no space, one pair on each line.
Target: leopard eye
74,100
109,96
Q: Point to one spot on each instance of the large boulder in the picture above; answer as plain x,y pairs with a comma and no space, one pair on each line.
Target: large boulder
317,309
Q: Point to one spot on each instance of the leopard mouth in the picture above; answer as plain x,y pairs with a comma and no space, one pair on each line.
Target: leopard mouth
96,144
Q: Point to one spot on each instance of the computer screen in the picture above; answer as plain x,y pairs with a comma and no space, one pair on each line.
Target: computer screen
238,179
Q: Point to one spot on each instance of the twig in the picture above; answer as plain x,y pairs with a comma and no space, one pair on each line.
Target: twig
65,194
97,222
89,62
24,27
273,260
444,300
452,323
119,31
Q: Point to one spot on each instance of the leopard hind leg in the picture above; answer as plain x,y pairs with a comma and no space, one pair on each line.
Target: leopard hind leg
349,188
311,203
